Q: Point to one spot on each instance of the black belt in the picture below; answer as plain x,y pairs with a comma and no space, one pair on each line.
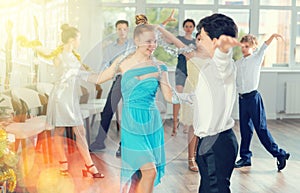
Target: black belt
249,94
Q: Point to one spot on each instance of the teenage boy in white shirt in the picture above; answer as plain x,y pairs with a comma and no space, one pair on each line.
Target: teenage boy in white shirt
251,108
215,94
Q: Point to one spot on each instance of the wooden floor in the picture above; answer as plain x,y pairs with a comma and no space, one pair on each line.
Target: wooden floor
261,177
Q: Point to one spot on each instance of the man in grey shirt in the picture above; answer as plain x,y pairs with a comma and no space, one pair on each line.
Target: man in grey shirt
122,46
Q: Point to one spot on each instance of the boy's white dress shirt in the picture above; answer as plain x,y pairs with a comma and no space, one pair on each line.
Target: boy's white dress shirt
215,94
248,70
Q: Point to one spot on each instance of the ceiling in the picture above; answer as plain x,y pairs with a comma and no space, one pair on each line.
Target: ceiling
12,3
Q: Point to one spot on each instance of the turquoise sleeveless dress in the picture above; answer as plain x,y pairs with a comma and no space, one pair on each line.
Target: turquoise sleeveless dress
142,135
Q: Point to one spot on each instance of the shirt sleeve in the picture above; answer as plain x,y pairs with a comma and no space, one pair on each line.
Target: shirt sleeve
224,62
260,54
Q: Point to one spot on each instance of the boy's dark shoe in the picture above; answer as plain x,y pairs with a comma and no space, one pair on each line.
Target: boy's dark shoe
281,161
242,163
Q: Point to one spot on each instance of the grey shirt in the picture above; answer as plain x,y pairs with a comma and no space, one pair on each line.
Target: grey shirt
113,50
186,41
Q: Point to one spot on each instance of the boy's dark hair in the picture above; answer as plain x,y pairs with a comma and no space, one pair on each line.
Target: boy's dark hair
189,20
218,24
121,22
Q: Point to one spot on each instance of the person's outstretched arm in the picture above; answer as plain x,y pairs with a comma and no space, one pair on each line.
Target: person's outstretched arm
169,19
170,37
105,75
277,36
169,93
223,54
225,43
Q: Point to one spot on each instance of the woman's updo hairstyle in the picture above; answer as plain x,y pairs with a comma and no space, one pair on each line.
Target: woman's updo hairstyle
68,32
141,19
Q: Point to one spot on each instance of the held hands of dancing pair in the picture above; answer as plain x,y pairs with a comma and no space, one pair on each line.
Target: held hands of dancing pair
179,98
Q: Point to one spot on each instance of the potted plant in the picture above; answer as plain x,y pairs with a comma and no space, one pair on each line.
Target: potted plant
8,161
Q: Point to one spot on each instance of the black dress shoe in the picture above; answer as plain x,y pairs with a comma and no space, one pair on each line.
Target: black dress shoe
281,161
242,163
118,152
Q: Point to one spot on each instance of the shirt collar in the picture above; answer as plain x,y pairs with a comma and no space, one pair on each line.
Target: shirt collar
116,42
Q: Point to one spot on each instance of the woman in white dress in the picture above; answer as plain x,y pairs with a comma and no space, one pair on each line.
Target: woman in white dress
63,106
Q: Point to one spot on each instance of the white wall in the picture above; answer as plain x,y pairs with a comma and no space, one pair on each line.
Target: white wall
272,89
268,89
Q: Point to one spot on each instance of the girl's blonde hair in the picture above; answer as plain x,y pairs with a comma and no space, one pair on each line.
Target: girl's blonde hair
142,28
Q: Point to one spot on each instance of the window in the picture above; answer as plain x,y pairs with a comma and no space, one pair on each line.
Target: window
276,2
58,12
196,15
112,14
198,2
118,1
32,20
258,17
156,16
297,49
234,2
275,21
163,1
241,18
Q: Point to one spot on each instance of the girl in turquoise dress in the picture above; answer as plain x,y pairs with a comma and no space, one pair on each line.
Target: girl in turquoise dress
142,136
